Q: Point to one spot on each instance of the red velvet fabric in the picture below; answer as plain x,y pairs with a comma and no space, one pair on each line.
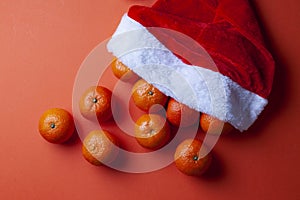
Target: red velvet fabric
226,29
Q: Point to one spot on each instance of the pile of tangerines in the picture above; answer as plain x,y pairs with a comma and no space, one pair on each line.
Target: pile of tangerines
152,131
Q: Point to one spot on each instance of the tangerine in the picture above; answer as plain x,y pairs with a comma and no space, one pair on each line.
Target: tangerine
190,160
56,125
213,125
179,114
121,71
99,147
96,101
145,95
152,131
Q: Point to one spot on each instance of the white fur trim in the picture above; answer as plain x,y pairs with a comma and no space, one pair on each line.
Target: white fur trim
201,89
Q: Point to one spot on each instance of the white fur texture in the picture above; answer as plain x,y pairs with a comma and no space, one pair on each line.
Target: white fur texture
199,88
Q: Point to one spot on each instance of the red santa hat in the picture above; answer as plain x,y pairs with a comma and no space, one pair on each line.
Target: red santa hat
228,75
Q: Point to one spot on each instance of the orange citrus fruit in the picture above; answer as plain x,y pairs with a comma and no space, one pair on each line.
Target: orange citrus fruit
56,125
99,147
96,102
179,114
146,95
121,71
152,131
190,160
214,125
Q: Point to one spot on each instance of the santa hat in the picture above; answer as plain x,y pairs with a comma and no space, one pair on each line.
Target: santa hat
228,75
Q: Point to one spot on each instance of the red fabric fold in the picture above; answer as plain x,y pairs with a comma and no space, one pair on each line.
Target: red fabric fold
226,29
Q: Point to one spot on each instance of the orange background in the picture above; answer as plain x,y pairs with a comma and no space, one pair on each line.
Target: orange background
43,43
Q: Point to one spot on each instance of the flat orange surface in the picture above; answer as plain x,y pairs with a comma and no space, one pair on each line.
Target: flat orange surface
42,45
